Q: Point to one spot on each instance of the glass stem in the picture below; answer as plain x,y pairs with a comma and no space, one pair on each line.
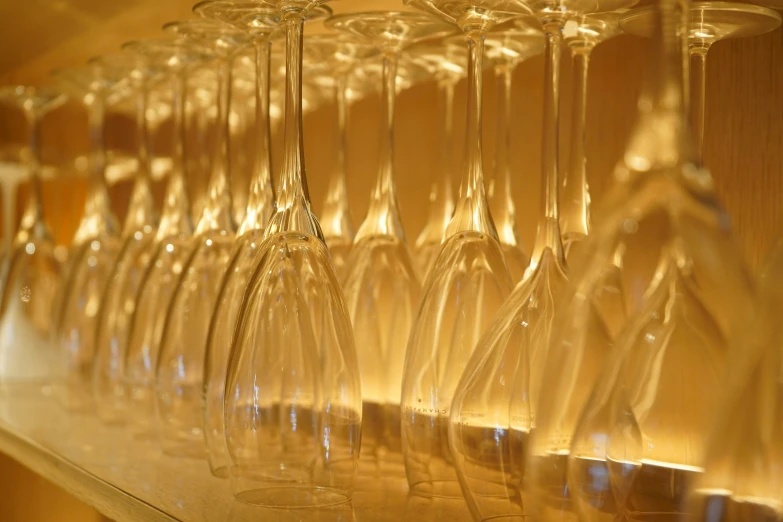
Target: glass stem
698,78
201,117
141,208
143,135
33,214
293,200
98,217
260,202
548,233
338,223
503,209
293,184
575,219
218,209
472,211
383,212
175,216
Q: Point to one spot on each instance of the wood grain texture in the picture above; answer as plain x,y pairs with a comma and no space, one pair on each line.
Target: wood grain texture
29,497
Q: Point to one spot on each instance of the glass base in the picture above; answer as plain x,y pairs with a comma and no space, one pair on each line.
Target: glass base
292,496
437,489
709,21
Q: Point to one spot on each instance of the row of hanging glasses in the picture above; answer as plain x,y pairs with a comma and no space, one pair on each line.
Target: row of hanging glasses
625,369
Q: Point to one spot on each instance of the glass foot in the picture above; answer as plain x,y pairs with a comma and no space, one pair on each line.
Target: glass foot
709,21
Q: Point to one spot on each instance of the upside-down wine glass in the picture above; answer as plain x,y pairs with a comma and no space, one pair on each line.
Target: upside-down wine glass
708,22
33,274
168,249
179,376
118,301
261,23
465,286
621,435
742,479
95,244
381,288
505,51
448,59
497,396
293,397
339,54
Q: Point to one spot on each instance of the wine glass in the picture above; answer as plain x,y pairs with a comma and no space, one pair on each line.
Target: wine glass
95,244
465,286
506,50
293,399
497,396
33,272
708,22
448,61
741,480
261,22
338,55
179,375
169,248
626,431
118,301
381,288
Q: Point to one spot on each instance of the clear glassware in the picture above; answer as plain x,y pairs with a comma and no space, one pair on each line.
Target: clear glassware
448,59
582,34
241,118
200,122
621,430
261,22
95,244
506,50
169,247
496,399
465,287
118,301
179,375
381,288
26,324
709,22
293,397
339,55
742,477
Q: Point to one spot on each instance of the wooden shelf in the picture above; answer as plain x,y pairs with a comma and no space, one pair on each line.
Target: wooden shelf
129,480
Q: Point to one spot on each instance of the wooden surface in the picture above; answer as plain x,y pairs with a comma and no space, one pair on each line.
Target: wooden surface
28,497
129,480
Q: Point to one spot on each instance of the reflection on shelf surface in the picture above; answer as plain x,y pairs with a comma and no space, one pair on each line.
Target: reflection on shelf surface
129,480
